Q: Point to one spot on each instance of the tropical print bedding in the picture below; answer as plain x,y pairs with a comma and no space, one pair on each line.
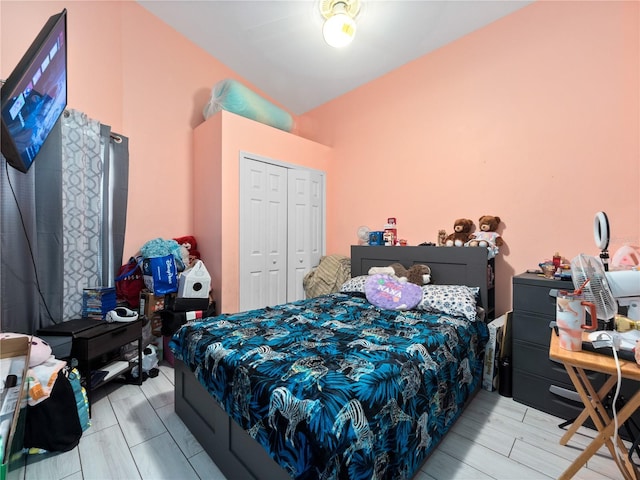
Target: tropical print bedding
333,387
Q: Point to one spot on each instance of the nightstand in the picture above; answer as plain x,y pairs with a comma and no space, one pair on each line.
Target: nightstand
98,348
96,345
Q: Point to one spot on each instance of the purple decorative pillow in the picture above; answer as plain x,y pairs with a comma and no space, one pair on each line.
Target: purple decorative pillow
386,291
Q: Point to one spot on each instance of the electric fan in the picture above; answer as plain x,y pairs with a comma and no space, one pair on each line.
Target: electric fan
606,289
588,276
363,235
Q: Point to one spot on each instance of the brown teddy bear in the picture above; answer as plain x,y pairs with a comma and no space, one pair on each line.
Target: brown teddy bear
462,229
486,236
418,274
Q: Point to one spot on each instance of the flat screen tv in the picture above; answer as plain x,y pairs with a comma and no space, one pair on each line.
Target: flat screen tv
35,94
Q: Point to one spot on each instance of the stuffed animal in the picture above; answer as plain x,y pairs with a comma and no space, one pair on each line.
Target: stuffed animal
418,274
189,250
486,236
40,350
462,229
395,269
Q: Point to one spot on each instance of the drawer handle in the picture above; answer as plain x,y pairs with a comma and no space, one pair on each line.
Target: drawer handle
565,393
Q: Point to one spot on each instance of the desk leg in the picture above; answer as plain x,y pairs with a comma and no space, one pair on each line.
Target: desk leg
604,435
592,402
579,421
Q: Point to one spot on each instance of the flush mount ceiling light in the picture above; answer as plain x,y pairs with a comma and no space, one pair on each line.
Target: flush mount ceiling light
339,27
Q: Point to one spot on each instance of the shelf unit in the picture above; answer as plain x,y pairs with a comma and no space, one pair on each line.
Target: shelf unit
98,348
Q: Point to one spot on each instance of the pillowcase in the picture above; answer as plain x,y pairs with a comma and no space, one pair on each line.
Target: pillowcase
457,300
355,284
388,292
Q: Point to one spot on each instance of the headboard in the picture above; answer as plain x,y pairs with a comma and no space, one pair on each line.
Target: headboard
449,266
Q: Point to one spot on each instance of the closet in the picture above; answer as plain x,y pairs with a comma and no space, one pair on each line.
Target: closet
286,180
281,230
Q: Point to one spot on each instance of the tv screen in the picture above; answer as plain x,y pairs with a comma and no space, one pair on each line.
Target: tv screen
35,94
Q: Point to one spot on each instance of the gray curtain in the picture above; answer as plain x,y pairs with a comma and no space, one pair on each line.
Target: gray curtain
31,241
72,203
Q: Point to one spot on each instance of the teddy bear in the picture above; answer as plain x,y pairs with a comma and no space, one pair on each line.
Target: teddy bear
486,236
418,274
462,229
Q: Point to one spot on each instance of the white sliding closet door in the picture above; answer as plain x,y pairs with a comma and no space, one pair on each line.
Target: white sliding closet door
281,231
263,234
304,228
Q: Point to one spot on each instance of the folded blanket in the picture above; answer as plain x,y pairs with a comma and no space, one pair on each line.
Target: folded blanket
328,276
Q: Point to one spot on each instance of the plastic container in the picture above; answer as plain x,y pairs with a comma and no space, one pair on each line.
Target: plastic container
390,234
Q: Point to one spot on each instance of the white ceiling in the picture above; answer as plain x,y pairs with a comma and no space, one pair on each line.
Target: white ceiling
278,45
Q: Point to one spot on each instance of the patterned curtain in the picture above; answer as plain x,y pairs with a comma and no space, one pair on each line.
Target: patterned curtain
81,208
93,230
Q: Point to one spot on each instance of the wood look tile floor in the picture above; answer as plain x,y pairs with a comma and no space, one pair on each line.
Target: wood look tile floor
135,434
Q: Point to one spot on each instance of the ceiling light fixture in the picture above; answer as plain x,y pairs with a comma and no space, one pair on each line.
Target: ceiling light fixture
339,27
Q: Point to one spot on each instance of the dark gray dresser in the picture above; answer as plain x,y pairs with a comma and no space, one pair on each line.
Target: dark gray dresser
538,381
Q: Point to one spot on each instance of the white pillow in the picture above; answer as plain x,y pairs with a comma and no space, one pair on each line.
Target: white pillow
355,284
457,300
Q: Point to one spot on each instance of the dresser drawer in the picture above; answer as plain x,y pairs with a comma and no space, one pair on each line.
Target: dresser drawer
534,298
103,340
530,327
545,395
535,360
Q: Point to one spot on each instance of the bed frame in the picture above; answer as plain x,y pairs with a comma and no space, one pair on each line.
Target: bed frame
239,456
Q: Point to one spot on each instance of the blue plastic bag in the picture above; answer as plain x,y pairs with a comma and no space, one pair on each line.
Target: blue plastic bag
160,274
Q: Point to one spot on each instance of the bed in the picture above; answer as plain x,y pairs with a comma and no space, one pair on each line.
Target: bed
334,387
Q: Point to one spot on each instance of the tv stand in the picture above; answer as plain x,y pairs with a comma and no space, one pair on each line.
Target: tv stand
96,345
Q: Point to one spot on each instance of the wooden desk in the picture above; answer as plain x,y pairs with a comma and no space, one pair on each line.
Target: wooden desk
576,363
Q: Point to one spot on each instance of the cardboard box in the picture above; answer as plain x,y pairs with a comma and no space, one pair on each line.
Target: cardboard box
497,348
150,303
14,360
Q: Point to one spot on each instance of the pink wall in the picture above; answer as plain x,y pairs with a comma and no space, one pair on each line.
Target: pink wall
217,144
133,72
94,51
535,118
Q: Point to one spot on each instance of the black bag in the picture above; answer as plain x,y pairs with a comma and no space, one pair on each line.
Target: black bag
53,424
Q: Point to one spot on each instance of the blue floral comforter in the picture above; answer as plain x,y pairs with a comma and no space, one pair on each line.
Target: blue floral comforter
333,387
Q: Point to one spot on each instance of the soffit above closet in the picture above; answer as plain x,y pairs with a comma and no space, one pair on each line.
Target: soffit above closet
278,45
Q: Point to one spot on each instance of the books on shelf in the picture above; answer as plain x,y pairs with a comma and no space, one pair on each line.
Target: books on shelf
98,301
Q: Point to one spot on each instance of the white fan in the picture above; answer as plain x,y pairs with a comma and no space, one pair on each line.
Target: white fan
363,235
588,276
